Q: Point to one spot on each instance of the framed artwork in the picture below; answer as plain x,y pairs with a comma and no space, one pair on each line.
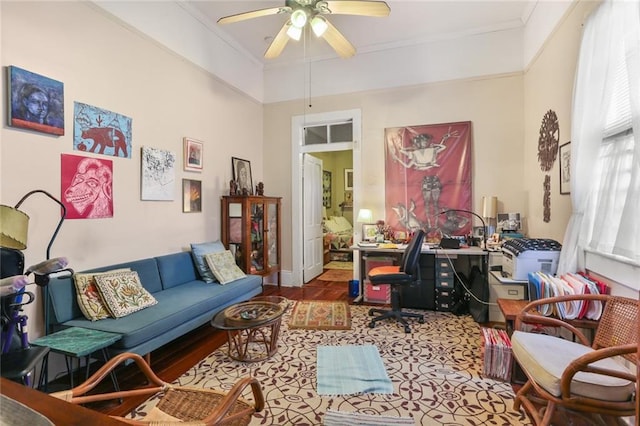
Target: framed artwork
86,187
369,231
191,196
192,155
242,175
348,179
36,102
565,168
326,188
158,174
101,131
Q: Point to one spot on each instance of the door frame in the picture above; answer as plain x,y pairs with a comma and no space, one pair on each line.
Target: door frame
298,123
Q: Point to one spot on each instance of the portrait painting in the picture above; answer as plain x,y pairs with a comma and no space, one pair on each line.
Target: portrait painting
565,168
192,155
101,131
36,102
191,196
86,187
427,172
158,174
242,175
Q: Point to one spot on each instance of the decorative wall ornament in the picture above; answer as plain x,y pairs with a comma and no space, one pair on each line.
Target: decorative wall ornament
428,170
548,141
546,202
86,187
36,102
158,174
101,131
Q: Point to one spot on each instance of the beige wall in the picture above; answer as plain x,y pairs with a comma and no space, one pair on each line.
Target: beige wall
494,105
103,63
548,85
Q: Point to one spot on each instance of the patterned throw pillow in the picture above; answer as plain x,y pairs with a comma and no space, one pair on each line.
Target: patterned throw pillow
224,267
198,251
88,297
123,294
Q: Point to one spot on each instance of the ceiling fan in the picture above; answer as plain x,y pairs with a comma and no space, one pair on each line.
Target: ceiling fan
303,12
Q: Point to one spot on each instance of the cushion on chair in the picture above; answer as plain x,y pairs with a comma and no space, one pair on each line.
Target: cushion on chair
198,251
546,357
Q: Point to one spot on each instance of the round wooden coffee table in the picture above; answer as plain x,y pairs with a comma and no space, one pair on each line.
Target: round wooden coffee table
252,327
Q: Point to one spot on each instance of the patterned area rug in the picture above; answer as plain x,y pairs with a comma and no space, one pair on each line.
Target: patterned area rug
336,275
435,371
339,265
320,315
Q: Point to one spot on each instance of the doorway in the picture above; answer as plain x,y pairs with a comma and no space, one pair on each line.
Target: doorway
299,124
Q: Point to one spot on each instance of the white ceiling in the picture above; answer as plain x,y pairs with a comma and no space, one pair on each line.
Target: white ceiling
421,41
410,22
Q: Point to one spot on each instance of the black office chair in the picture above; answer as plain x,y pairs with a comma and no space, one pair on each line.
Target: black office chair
404,274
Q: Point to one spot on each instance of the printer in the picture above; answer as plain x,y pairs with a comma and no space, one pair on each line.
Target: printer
523,255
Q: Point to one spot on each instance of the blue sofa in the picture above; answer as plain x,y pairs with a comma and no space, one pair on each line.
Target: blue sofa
185,302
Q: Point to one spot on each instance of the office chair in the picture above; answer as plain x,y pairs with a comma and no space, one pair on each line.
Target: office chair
398,276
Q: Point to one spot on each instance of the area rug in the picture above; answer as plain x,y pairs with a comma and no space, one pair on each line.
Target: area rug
351,370
339,265
320,315
436,373
343,418
336,275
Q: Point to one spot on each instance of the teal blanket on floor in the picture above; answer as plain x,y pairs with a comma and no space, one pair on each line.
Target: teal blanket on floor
351,370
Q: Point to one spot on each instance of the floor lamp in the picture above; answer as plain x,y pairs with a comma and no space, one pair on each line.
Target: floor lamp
14,226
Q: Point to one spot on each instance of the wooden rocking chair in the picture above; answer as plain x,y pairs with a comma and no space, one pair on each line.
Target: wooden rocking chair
579,376
178,405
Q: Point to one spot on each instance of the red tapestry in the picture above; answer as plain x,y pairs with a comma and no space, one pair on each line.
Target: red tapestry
428,171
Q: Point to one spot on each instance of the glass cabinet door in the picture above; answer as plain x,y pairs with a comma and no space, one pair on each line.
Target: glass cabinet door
272,220
257,236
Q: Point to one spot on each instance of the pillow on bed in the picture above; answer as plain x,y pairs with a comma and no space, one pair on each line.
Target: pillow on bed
342,223
330,225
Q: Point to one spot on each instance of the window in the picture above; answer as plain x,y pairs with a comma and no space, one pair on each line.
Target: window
328,133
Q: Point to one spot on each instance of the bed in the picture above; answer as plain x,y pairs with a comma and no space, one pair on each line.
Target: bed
338,233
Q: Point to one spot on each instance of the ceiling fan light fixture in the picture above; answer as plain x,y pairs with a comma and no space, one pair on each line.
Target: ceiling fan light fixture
294,32
299,18
319,25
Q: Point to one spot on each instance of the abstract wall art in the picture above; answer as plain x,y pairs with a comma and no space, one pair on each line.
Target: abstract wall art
86,187
158,174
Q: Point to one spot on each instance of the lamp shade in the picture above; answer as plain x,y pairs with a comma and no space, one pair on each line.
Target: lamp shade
13,228
365,216
489,207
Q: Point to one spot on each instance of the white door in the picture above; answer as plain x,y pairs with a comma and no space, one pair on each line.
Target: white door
312,217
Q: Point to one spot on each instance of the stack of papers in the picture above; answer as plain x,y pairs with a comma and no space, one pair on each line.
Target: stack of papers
367,244
497,359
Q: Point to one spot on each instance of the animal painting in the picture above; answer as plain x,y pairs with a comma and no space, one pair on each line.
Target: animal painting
104,137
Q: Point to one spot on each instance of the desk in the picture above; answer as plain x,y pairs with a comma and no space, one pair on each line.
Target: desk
78,342
424,295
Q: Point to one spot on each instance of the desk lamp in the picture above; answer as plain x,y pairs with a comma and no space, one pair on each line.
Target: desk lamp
489,212
484,226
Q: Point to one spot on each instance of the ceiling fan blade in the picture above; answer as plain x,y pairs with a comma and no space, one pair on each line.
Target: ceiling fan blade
359,7
339,43
279,42
253,14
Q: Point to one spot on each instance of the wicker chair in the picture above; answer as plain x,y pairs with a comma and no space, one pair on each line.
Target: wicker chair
579,376
178,405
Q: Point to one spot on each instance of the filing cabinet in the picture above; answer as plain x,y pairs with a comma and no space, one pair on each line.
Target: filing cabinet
503,288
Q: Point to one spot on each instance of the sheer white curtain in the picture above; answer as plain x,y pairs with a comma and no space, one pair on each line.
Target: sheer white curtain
612,30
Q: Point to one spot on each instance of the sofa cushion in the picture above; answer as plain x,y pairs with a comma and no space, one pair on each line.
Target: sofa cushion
198,251
176,269
88,296
224,267
122,293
